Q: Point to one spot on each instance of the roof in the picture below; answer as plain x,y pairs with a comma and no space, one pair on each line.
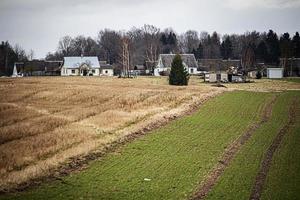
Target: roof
76,62
34,65
274,68
52,66
107,66
188,59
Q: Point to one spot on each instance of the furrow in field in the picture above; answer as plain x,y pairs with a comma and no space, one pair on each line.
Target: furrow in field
266,163
231,151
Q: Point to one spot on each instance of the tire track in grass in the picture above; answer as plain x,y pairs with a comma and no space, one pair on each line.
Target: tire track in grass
266,163
231,151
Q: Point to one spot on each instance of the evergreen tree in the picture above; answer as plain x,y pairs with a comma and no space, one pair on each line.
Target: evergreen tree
169,42
199,52
273,47
261,52
178,74
226,48
296,45
285,45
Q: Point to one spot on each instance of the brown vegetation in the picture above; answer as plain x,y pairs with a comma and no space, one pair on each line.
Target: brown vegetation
47,120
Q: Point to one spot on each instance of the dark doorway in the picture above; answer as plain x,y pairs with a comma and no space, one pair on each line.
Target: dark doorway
229,77
85,72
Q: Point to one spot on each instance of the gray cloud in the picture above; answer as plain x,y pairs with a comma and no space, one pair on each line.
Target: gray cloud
38,24
268,4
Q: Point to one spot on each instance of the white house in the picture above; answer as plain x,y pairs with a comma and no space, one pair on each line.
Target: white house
274,72
165,62
81,66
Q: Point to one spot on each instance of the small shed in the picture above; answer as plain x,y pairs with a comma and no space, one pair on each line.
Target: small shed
107,70
214,77
275,72
252,74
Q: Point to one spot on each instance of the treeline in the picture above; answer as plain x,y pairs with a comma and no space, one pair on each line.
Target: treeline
11,54
147,42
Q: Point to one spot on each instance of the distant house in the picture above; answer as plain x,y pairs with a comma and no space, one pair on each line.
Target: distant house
164,64
81,66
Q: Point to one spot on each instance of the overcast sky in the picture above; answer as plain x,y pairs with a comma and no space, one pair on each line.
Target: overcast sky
39,24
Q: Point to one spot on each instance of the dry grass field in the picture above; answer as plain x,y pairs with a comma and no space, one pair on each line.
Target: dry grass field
47,120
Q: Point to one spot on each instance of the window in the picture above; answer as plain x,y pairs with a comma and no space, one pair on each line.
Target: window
106,71
192,70
73,71
93,71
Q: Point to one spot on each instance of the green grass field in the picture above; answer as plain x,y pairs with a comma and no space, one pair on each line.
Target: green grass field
239,177
283,181
170,162
293,79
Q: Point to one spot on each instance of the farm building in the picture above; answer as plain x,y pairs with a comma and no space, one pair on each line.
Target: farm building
81,66
140,70
275,72
39,68
164,64
252,74
223,77
215,65
214,77
107,70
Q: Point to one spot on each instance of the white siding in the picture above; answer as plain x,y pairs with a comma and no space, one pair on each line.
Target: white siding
274,72
107,72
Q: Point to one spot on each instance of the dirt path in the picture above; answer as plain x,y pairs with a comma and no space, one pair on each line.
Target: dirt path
266,163
230,152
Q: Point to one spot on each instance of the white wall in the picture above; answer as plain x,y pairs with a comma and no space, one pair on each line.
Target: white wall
68,72
107,72
274,72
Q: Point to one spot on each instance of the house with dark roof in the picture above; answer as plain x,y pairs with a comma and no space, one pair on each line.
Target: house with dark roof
164,64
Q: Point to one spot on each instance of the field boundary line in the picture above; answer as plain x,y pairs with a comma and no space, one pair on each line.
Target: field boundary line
267,160
80,162
231,151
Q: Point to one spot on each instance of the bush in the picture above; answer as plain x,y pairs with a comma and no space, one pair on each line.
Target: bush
178,74
258,75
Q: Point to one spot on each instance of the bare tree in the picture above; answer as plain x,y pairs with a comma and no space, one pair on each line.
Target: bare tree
20,53
248,60
30,54
65,45
110,45
190,41
151,37
79,45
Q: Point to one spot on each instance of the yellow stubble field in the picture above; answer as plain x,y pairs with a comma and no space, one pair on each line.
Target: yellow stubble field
44,121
